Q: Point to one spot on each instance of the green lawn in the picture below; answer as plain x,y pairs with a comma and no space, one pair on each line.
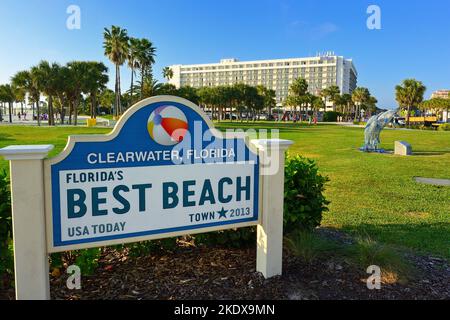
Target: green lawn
372,194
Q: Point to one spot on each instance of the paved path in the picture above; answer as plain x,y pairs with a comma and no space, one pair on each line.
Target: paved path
101,122
434,182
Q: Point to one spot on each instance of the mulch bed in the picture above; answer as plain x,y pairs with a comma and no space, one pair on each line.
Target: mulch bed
218,273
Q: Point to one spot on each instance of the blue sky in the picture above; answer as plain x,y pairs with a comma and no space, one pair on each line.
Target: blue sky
414,40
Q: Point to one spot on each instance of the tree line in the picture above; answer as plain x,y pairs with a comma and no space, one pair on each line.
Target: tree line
66,87
410,97
348,105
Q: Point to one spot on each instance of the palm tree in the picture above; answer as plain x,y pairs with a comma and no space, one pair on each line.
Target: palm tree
167,73
317,104
22,81
269,97
8,95
359,97
96,80
297,93
133,62
330,93
145,57
46,76
62,90
150,87
107,98
409,94
78,72
116,49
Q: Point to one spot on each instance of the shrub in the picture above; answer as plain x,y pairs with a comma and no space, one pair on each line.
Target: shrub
304,201
330,116
444,127
146,247
234,238
304,204
6,254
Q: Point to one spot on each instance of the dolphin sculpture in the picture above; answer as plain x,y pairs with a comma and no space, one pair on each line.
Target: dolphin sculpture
373,130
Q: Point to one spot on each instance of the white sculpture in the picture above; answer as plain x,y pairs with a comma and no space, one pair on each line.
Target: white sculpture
373,130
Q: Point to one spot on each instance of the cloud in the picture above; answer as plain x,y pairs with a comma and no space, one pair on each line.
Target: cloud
324,30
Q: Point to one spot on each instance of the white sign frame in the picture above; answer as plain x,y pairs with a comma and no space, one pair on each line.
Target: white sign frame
108,137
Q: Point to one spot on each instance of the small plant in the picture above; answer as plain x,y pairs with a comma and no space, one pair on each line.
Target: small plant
304,202
87,260
444,127
366,252
234,238
309,246
147,247
6,248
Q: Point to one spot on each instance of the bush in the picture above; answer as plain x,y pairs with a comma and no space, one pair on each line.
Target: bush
304,201
330,116
304,204
234,238
146,247
444,127
6,254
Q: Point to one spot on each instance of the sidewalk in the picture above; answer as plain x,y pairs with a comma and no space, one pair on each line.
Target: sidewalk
101,122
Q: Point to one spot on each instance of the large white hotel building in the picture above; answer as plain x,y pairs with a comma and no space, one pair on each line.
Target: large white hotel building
320,72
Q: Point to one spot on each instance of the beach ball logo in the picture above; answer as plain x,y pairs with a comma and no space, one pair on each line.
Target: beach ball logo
167,125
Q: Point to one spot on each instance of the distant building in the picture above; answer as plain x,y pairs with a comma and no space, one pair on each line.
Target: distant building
443,94
320,72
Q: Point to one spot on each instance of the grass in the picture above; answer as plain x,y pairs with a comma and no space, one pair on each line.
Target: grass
372,194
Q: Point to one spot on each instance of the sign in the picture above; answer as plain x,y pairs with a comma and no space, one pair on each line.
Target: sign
163,171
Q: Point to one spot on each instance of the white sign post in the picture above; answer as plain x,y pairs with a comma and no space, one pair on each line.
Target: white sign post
27,197
164,171
269,236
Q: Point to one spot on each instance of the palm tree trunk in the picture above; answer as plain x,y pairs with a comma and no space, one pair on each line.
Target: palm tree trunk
142,83
70,111
63,111
407,116
93,106
75,112
38,111
116,89
119,93
50,110
131,86
10,108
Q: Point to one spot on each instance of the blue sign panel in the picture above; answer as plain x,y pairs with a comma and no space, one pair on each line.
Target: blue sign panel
163,171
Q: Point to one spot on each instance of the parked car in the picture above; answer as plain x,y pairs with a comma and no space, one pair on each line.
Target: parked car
263,116
399,121
233,116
